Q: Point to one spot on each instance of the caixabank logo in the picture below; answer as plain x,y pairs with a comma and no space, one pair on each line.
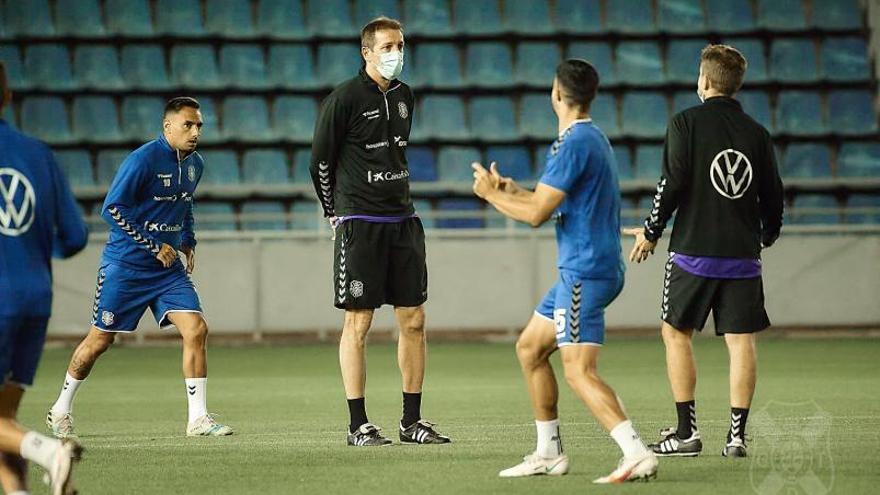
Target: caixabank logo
18,203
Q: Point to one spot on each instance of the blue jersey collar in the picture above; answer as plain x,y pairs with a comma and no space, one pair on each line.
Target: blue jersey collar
573,123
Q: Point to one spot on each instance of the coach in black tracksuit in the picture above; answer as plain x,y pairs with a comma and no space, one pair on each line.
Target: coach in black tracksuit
720,175
361,177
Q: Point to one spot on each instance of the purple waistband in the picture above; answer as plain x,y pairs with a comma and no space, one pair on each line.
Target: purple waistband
712,267
374,219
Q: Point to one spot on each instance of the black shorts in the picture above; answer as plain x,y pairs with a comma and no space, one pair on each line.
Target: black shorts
737,305
380,263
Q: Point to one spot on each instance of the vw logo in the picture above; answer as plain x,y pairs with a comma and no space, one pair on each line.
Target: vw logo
731,173
17,203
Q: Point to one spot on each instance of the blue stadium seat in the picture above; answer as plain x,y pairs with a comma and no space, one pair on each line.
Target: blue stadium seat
221,168
294,117
489,64
477,17
214,216
229,18
428,17
46,118
425,211
578,16
492,117
859,160
292,66
639,62
867,208
728,16
851,112
536,117
95,118
454,163
599,55
422,166
644,115
29,18
367,10
97,67
680,16
623,156
305,216
814,209
683,60
438,65
757,105
11,57
143,67
195,66
48,67
94,221
807,160
630,16
128,17
536,63
629,212
108,163
263,215
142,117
179,18
265,166
837,14
799,113
793,60
301,159
649,161
330,18
77,166
684,100
281,19
211,131
753,51
246,118
443,117
244,66
781,15
78,18
459,206
528,17
845,59
513,162
338,62
603,111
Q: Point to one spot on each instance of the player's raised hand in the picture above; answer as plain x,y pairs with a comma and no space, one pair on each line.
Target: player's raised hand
190,253
167,255
484,181
505,184
642,248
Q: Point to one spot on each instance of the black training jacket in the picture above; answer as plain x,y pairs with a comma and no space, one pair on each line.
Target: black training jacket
720,173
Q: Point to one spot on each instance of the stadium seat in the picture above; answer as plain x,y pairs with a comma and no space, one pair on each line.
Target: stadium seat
305,216
536,63
851,112
863,208
443,117
9,116
536,117
78,18
330,18
644,115
97,67
684,100
814,209
630,16
438,65
639,62
489,64
108,162
47,66
837,14
367,10
513,162
142,117
221,168
859,160
753,51
96,119
422,167
599,55
263,215
213,216
793,60
649,161
229,18
623,156
528,17
294,117
46,118
338,62
28,18
427,17
11,57
246,118
301,159
603,111
243,66
806,160
799,113
728,16
265,166
680,16
211,130
477,17
460,206
179,18
128,17
425,211
143,67
454,163
683,60
292,66
845,59
578,16
492,117
281,19
757,105
781,15
195,66
77,166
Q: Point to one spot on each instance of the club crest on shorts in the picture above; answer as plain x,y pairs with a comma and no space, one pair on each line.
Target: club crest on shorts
356,288
402,110
191,173
107,318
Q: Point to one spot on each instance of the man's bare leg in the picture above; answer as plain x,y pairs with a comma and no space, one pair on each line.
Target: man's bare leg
743,377
352,362
681,368
411,356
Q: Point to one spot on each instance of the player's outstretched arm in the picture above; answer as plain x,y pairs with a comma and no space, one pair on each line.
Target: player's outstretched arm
531,207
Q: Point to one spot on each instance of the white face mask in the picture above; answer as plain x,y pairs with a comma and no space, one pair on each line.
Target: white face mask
390,64
700,96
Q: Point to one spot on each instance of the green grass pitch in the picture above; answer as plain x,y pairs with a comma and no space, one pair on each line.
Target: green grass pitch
287,405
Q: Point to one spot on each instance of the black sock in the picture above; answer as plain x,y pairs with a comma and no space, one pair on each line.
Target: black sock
738,417
357,410
412,409
687,418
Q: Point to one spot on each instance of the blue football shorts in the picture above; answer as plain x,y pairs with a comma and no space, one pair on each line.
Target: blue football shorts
577,305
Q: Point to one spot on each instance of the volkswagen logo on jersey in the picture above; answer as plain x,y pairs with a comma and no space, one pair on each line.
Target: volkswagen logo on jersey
731,173
402,110
18,203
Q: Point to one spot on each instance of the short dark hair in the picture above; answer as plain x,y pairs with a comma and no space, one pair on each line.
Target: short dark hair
177,104
368,33
578,81
724,66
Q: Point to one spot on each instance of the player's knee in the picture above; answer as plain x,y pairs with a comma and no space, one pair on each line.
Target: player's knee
198,333
528,353
675,337
98,341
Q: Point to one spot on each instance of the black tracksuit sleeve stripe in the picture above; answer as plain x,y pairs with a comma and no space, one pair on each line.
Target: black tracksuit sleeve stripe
771,199
673,180
330,129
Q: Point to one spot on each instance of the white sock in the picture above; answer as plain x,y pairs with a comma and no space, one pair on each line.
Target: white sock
18,493
549,439
628,439
196,394
64,404
40,449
